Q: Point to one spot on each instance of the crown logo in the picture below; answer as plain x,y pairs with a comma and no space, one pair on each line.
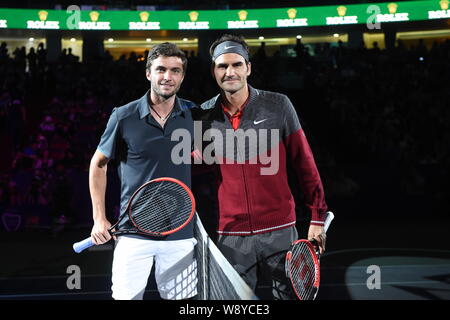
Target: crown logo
392,8
94,16
144,16
292,13
43,15
193,15
341,11
242,15
444,4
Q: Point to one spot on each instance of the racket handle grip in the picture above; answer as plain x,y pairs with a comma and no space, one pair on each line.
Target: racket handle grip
330,217
82,245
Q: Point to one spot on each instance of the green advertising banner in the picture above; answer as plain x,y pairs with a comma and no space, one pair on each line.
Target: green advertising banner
75,19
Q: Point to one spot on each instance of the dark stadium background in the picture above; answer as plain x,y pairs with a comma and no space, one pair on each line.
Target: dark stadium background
377,119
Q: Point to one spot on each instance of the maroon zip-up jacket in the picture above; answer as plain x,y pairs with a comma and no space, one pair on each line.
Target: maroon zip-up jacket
253,191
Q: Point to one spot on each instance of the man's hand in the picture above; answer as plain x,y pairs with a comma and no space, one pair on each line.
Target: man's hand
318,233
100,233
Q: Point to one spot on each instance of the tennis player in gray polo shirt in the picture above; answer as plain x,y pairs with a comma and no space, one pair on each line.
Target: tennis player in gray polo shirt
138,138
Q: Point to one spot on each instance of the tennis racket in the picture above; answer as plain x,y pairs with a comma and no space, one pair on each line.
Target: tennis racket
157,208
303,265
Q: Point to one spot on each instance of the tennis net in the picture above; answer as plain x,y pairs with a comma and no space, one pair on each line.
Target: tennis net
217,279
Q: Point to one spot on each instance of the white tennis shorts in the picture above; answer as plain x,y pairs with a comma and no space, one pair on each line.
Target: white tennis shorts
175,268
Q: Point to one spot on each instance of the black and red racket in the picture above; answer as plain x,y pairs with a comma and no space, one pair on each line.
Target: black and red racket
157,208
303,265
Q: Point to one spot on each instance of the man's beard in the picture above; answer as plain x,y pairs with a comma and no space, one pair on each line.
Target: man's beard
233,89
165,96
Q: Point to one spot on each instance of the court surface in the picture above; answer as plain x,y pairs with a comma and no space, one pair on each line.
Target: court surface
35,264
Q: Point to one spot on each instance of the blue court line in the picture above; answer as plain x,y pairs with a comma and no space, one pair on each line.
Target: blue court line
387,283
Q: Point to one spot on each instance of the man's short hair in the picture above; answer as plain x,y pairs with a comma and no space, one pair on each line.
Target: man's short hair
166,49
229,37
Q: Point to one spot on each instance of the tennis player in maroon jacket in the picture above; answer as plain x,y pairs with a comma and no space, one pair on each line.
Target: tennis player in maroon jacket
256,207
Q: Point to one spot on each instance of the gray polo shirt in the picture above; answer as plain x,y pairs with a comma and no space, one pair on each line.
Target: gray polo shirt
142,150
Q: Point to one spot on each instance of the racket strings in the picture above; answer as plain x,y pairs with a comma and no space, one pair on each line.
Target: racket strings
302,270
160,215
161,223
161,206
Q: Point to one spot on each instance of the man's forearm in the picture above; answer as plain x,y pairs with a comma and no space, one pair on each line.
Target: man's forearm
97,188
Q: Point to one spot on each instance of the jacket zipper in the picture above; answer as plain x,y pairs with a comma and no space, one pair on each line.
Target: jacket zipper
246,194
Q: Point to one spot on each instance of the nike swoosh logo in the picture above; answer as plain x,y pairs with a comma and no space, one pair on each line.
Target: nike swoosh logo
226,48
258,122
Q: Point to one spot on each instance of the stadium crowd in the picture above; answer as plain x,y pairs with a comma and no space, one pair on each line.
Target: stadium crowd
376,119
